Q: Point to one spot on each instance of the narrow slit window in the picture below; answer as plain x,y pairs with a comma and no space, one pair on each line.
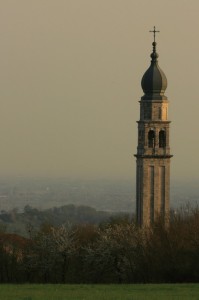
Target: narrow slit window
160,113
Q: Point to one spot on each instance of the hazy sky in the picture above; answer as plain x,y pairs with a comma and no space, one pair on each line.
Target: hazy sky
70,73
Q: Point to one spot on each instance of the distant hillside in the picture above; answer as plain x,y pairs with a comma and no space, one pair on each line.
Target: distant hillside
43,193
20,222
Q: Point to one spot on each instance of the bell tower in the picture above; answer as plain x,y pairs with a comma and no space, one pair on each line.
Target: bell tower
153,150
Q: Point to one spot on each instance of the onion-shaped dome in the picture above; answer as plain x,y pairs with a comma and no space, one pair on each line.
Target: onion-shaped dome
154,81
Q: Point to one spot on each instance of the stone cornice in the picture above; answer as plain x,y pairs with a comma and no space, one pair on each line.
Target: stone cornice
153,156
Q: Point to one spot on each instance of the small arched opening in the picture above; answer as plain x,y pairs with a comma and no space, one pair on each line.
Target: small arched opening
162,139
151,139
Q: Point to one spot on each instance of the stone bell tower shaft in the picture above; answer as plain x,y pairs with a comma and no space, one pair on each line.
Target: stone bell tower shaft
153,150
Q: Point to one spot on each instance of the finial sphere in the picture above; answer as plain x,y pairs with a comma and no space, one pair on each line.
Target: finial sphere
154,55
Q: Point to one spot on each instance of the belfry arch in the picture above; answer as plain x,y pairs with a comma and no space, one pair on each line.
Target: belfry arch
162,138
151,138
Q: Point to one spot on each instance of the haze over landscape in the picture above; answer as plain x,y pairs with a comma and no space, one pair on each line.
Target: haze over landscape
71,220
70,74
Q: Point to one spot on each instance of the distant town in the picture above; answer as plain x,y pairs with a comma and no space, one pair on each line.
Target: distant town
103,195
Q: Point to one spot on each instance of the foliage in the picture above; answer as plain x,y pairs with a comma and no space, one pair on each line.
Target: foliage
112,252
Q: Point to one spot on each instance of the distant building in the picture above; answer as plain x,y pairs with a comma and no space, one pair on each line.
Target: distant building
153,151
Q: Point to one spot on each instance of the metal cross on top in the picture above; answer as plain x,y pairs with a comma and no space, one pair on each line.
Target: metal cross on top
154,32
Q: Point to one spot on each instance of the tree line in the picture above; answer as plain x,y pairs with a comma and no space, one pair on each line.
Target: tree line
117,251
16,221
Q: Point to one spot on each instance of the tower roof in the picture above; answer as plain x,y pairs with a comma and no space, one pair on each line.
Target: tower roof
154,81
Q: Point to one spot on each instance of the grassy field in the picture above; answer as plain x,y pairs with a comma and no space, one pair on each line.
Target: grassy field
99,292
